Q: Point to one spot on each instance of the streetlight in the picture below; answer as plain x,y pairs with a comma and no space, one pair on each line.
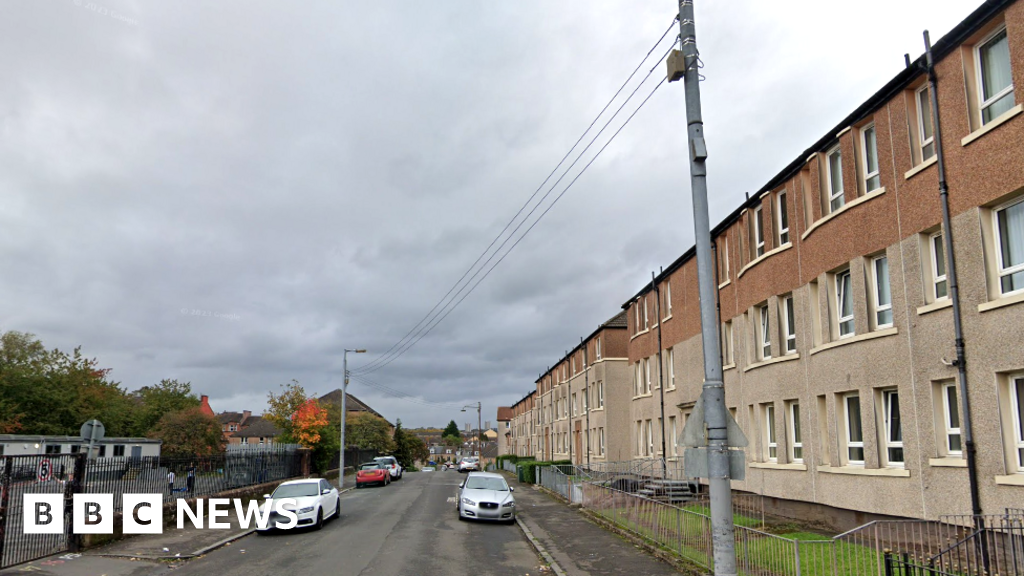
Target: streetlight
479,429
344,397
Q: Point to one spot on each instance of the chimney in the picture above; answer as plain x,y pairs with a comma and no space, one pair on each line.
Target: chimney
245,415
204,405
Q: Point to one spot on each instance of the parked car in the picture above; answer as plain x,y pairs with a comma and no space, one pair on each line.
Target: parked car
391,463
315,501
486,496
372,473
469,464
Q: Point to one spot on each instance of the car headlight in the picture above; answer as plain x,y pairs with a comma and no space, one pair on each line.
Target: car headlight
305,510
509,504
468,502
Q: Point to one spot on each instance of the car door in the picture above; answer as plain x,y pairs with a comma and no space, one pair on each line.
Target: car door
330,500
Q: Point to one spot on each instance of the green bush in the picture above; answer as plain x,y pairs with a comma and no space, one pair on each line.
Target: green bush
506,458
530,468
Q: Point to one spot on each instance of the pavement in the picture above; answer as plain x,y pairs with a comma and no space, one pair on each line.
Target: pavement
577,546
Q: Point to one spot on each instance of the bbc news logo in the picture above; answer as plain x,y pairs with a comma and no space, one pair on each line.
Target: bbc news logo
143,514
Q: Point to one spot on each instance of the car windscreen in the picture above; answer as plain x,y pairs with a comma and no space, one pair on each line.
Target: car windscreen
373,466
296,490
484,483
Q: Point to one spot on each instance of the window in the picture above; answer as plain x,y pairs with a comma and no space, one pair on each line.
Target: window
675,440
573,404
649,448
725,259
844,303
670,362
232,427
814,294
925,137
869,150
647,375
103,451
727,353
600,435
771,442
789,324
573,360
825,453
951,420
758,233
854,432
782,219
1009,225
1016,422
764,334
600,394
796,444
636,317
638,378
597,348
646,320
992,59
893,428
52,449
882,294
940,287
668,300
639,437
119,450
835,180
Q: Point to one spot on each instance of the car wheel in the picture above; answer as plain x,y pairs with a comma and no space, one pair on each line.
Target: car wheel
461,517
319,520
337,509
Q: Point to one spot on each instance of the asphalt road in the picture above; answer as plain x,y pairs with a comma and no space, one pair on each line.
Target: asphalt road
407,528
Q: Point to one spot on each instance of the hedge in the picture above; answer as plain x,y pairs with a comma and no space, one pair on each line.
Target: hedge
530,468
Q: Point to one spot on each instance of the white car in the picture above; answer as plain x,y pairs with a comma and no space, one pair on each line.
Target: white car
469,464
315,501
391,463
486,496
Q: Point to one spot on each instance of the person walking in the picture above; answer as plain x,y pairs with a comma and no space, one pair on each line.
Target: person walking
190,479
170,481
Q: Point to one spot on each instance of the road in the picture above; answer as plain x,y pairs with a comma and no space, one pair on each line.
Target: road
407,528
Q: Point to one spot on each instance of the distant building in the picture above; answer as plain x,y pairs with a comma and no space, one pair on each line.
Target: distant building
33,444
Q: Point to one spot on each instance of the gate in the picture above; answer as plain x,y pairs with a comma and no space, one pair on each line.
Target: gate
36,474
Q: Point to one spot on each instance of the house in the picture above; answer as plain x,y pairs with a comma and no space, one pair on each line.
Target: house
257,431
231,422
353,405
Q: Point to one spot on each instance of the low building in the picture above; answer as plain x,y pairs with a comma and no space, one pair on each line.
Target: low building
32,444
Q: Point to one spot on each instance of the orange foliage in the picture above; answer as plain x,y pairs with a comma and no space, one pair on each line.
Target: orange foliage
308,421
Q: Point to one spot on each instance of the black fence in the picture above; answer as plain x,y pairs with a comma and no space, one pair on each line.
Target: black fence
68,474
905,565
353,458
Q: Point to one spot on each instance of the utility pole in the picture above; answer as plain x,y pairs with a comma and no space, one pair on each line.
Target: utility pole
715,414
586,380
344,397
661,378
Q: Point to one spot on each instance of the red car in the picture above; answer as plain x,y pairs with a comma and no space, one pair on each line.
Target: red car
372,473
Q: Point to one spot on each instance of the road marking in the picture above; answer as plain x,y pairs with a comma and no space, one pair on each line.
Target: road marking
453,499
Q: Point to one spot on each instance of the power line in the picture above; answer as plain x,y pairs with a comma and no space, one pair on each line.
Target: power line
451,305
434,312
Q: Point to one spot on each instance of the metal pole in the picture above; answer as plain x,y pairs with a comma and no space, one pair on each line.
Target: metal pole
715,415
954,286
586,380
661,378
479,435
344,396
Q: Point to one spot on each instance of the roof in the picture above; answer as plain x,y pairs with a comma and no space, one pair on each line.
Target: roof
225,417
504,413
33,438
352,404
943,47
619,321
259,427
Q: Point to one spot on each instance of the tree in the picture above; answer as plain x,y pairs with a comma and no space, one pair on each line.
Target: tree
452,429
188,432
452,441
369,432
309,422
153,402
282,406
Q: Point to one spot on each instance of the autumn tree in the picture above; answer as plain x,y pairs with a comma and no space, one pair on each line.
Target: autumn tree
281,407
369,431
188,432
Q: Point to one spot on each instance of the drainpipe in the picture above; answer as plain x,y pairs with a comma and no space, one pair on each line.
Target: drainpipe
954,288
586,379
661,378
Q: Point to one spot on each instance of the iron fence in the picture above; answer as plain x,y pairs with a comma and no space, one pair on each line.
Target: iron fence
561,480
905,565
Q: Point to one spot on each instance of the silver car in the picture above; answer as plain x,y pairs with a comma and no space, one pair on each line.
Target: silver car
486,496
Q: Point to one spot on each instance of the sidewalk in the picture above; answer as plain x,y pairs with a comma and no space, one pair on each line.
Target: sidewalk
578,546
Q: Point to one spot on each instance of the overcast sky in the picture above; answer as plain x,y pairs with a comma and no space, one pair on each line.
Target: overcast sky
230,193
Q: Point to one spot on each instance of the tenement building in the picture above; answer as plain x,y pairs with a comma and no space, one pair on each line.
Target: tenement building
835,298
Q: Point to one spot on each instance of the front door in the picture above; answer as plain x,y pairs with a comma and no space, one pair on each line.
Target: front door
578,454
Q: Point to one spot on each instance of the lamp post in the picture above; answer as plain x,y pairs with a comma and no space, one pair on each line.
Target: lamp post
479,430
344,397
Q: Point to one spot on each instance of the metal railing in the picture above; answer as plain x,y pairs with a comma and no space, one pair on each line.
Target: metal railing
561,480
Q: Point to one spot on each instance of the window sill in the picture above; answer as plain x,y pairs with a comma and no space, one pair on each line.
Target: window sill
729,366
854,339
859,471
1003,118
777,466
770,361
763,257
1011,480
920,167
947,462
648,395
937,305
825,219
666,318
724,284
1001,301
640,333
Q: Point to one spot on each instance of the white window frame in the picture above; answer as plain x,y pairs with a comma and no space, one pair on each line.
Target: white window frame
868,173
947,422
725,251
934,260
597,348
876,296
636,317
574,404
1016,417
982,102
647,375
647,323
600,394
727,333
922,141
670,360
789,309
758,233
1001,269
852,444
782,218
600,434
887,418
668,300
764,334
650,438
771,441
840,296
638,385
795,433
834,196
